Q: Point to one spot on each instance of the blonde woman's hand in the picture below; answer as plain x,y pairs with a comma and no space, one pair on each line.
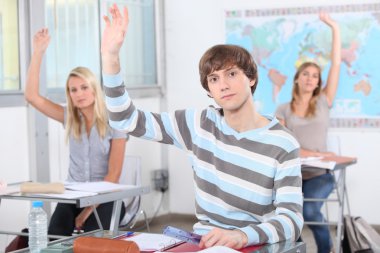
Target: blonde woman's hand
325,18
41,41
82,217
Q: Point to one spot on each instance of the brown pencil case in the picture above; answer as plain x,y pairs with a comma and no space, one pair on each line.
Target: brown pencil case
104,245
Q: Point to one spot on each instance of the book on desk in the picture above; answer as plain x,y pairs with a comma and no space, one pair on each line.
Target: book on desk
150,242
327,162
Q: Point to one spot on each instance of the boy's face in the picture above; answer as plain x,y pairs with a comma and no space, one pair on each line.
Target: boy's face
230,88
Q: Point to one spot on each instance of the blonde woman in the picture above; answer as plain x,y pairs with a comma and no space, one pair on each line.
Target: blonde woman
307,116
96,150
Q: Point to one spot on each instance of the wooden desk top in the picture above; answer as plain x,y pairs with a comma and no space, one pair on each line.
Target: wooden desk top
341,160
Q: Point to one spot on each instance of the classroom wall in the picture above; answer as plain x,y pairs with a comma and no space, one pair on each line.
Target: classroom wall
193,27
14,166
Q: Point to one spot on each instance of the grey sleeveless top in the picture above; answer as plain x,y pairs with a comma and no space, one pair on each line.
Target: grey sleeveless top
311,133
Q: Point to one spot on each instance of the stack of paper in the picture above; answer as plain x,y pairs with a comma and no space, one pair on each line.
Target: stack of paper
153,242
67,194
97,187
317,162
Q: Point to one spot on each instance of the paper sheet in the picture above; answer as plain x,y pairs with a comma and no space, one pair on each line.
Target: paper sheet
320,164
219,249
214,249
68,194
153,242
97,187
311,158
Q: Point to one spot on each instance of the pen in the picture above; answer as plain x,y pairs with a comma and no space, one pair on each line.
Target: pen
125,235
129,233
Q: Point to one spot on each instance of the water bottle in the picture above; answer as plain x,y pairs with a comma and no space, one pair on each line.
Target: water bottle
37,227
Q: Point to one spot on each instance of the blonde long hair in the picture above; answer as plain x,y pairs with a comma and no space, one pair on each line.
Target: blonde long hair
310,112
74,122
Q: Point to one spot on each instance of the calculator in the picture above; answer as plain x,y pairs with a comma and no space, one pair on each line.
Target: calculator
182,235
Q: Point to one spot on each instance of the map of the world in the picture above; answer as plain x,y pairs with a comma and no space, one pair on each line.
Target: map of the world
282,39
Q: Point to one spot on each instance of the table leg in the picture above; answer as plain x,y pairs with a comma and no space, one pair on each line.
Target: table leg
115,219
341,197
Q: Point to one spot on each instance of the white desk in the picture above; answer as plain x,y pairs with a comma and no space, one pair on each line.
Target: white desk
280,247
115,196
342,162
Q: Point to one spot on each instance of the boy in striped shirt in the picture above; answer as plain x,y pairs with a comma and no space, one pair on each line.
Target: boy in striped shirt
246,166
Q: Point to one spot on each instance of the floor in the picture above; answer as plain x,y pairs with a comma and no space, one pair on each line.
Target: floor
186,222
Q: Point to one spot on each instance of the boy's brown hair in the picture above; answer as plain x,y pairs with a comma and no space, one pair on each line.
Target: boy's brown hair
224,56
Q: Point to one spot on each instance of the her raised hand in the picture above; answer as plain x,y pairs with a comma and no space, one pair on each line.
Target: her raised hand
41,41
325,18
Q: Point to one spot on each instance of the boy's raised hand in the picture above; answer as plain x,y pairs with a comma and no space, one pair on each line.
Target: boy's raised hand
115,31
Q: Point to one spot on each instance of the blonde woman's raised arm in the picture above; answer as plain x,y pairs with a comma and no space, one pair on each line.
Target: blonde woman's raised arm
336,58
32,94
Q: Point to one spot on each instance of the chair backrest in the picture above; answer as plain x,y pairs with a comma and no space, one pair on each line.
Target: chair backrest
131,175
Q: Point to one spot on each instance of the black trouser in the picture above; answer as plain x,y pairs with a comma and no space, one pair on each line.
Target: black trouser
62,221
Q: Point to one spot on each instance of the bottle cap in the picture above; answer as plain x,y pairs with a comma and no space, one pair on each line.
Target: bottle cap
37,204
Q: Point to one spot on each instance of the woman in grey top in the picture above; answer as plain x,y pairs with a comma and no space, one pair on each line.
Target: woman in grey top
307,116
96,150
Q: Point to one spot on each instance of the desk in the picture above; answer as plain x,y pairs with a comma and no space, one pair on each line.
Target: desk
116,196
281,247
341,163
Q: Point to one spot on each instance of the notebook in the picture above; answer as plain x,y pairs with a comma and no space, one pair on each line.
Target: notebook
153,242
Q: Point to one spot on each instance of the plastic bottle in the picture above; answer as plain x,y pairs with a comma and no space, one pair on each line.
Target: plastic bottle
37,227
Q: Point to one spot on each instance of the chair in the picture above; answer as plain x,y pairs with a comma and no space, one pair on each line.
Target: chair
131,175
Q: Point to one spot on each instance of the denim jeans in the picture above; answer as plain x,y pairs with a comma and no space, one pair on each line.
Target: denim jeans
318,187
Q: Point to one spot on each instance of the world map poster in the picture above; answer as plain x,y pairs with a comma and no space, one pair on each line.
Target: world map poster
281,39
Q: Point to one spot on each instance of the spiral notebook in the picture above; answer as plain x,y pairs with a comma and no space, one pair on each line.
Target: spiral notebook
153,242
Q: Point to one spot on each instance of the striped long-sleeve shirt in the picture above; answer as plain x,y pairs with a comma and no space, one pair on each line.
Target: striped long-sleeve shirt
249,181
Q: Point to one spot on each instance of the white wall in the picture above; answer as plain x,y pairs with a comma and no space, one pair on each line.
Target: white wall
14,167
194,26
